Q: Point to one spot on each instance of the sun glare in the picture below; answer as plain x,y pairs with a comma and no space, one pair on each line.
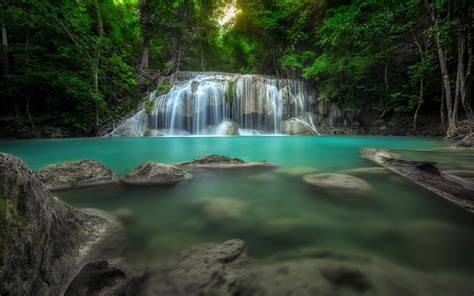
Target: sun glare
228,15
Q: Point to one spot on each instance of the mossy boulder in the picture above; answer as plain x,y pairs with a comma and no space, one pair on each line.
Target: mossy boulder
76,174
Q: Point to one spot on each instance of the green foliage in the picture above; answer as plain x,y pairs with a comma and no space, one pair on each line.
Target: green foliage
52,49
229,92
163,87
3,204
149,106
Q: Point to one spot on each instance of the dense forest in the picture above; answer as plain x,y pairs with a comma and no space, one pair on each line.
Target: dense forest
76,64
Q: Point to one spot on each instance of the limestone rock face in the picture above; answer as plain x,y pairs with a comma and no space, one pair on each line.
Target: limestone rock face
219,161
339,183
152,173
76,174
43,241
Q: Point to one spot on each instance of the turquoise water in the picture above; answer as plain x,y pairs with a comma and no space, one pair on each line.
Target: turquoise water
272,209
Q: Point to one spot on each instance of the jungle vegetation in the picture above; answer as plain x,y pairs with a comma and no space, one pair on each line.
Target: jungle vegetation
76,63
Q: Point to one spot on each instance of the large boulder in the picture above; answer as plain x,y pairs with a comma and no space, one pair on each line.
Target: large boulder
219,161
227,128
296,126
340,184
76,174
152,173
202,270
44,242
224,269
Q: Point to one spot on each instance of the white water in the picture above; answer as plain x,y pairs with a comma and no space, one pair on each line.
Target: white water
222,104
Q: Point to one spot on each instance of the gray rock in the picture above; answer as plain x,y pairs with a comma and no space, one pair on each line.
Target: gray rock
76,174
341,184
295,126
104,278
227,128
225,269
44,242
211,269
219,161
152,173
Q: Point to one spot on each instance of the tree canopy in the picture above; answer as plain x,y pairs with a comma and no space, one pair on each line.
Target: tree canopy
75,63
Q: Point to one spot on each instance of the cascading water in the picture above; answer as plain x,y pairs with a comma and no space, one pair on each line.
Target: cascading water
224,104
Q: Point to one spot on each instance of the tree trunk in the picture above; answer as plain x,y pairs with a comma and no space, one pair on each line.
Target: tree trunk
100,29
28,110
5,67
441,110
465,86
420,101
145,23
144,62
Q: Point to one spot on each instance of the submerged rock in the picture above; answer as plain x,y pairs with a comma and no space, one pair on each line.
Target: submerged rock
152,173
224,209
76,174
225,269
367,171
339,183
219,161
43,241
202,270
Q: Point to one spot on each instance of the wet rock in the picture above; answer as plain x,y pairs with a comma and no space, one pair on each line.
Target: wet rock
219,161
467,141
224,209
343,185
455,189
367,171
211,269
225,269
102,278
76,174
44,242
152,173
227,128
296,126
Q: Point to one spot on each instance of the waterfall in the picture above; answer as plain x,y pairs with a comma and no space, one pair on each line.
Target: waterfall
213,103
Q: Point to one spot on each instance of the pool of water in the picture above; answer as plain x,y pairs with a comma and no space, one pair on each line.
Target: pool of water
272,209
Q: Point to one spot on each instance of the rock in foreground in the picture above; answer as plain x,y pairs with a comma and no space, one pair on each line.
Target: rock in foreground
224,269
43,241
152,173
76,174
218,161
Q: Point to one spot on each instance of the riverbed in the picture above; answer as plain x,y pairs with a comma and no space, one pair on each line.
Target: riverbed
272,209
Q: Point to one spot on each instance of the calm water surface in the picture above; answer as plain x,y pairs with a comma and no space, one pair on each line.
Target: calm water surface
274,210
